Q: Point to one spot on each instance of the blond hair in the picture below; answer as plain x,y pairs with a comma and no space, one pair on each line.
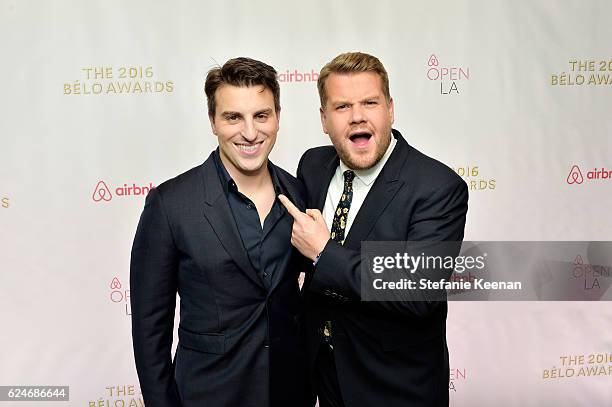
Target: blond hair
353,62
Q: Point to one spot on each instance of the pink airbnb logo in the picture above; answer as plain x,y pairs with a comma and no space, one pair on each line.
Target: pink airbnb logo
449,77
575,176
435,72
595,175
118,295
102,192
433,60
115,284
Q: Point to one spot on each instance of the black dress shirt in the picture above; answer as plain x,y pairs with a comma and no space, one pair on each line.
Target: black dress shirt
267,247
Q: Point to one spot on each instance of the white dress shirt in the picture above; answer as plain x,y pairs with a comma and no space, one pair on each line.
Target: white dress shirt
364,179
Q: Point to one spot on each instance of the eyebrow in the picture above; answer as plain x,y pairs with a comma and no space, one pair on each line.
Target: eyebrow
346,102
266,111
373,97
230,113
340,102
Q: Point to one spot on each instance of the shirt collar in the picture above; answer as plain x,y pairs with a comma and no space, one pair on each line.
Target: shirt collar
228,183
369,175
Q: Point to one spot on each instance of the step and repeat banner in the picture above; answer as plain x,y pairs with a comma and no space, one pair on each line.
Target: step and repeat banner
102,101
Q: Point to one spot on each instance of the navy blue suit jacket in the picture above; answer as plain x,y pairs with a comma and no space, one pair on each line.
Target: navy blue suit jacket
386,353
239,343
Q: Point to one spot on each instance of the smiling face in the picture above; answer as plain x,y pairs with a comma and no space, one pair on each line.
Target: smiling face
357,117
246,124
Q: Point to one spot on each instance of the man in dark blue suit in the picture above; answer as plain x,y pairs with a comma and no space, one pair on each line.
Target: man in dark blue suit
371,185
218,236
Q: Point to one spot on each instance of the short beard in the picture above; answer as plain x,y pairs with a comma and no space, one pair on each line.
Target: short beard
380,151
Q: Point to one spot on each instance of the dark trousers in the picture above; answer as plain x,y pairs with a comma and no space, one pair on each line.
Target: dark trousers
326,378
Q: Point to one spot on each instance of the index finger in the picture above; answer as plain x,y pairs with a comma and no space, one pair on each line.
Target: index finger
291,208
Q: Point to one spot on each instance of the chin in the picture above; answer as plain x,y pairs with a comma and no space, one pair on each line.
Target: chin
358,163
361,161
252,168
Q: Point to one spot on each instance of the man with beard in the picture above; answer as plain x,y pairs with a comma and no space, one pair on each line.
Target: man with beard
371,186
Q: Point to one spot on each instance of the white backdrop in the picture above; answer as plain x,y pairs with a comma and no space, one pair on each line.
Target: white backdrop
514,95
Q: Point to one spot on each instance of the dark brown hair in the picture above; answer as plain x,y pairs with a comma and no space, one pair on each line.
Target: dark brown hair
241,72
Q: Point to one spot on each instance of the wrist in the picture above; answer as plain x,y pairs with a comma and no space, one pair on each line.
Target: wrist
316,259
319,252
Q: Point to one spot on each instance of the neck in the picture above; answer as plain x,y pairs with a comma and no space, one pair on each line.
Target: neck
248,181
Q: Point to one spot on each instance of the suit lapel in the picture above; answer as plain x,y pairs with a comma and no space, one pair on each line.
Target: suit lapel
316,198
218,213
380,195
329,168
290,190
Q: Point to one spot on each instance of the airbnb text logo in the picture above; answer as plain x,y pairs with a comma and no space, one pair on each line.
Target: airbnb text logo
103,193
298,76
596,174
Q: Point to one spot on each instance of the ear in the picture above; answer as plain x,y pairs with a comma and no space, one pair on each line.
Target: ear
323,119
391,110
212,123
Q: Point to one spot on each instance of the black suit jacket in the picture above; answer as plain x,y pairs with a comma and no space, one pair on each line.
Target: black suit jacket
239,343
386,353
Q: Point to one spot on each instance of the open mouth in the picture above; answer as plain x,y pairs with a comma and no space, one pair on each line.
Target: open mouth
249,148
360,139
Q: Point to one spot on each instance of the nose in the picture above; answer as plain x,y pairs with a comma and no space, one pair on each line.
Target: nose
249,132
357,114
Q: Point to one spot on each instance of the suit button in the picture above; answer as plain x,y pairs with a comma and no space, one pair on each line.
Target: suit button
270,300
